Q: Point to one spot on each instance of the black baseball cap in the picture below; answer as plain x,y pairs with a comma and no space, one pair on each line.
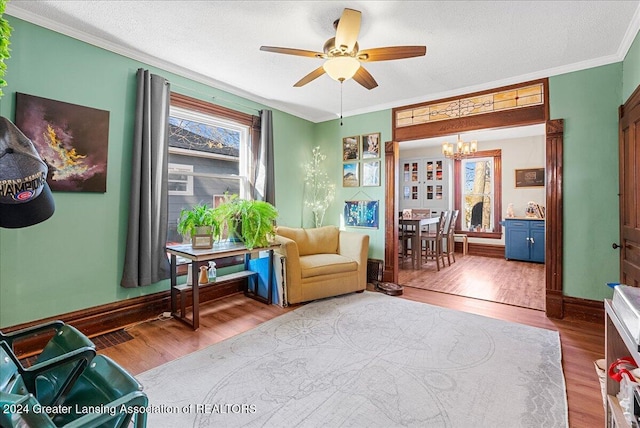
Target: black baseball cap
25,196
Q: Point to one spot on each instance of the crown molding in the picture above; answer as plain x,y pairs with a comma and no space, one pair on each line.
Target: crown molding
629,35
578,66
136,55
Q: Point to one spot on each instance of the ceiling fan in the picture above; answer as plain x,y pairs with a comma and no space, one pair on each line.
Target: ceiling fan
343,55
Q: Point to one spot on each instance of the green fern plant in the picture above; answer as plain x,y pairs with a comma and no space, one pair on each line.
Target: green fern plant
252,222
5,33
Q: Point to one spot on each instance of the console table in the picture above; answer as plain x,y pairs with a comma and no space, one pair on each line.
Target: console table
200,257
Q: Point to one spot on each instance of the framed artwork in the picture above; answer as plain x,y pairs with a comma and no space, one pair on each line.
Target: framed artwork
371,173
71,139
351,148
532,177
371,146
361,213
350,177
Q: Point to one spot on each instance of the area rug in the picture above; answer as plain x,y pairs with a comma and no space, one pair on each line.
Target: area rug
367,360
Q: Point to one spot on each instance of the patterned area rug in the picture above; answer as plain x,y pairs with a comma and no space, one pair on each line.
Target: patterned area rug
367,360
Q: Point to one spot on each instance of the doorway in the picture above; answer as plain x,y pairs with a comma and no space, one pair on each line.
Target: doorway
411,123
484,274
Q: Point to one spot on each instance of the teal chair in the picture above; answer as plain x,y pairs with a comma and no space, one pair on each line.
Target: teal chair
103,385
67,353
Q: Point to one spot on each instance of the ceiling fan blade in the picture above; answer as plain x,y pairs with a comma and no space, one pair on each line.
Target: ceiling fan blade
309,77
365,78
290,51
348,29
390,53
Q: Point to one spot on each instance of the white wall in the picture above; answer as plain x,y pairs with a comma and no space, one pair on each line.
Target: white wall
517,153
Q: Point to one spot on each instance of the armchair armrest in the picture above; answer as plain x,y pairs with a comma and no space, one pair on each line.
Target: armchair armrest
289,250
355,246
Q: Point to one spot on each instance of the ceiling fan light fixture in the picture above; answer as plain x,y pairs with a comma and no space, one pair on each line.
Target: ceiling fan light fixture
341,68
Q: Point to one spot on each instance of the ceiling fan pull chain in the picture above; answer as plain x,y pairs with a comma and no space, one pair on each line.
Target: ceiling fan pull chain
341,83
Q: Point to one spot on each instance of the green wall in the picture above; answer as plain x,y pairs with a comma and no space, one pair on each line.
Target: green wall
74,260
631,69
588,102
329,138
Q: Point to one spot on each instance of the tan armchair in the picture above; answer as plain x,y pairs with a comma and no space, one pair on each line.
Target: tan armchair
322,262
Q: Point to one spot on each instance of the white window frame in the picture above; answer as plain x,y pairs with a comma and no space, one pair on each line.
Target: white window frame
183,169
243,158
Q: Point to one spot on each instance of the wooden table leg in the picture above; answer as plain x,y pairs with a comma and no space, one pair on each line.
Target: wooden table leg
195,286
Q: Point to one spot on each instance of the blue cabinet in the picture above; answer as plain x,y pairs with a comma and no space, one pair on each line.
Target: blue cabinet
524,240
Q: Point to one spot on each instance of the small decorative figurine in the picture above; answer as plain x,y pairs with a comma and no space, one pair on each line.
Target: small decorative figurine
532,209
510,213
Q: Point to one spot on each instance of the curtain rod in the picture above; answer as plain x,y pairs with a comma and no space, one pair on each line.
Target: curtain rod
215,98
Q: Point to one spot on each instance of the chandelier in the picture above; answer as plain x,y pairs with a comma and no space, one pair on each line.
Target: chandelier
460,150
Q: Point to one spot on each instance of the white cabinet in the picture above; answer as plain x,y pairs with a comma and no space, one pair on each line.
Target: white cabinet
619,342
425,183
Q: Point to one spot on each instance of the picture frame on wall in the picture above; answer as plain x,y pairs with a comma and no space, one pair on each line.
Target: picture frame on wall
530,177
371,173
350,176
72,139
371,146
351,148
362,213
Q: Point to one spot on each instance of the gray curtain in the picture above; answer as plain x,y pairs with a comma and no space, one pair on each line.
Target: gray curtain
145,259
264,180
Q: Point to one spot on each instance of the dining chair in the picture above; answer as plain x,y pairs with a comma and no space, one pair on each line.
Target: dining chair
432,242
405,235
449,238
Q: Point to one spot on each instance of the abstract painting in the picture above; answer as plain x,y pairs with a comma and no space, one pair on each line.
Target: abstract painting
71,139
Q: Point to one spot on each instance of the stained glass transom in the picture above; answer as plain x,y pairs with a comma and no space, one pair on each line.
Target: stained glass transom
471,106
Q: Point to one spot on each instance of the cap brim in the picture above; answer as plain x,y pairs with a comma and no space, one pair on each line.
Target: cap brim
13,216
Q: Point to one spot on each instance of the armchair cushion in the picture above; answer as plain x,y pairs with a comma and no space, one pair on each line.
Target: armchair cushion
325,264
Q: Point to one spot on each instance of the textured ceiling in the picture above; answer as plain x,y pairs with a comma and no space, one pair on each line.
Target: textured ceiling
471,45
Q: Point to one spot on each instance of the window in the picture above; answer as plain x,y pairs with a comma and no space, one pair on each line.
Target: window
180,179
208,156
478,193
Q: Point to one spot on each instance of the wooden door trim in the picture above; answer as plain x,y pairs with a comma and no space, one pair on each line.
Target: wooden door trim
554,144
629,139
554,224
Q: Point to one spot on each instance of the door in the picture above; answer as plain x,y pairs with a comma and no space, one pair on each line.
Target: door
629,144
516,240
536,241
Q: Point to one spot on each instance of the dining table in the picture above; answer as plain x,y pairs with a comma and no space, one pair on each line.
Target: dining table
416,224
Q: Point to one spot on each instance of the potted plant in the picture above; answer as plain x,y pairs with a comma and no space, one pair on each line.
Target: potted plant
199,222
5,33
248,221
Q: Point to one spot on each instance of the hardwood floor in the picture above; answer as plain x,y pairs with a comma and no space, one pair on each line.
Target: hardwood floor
156,342
488,278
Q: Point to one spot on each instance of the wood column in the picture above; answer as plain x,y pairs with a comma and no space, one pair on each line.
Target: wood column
391,155
554,224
